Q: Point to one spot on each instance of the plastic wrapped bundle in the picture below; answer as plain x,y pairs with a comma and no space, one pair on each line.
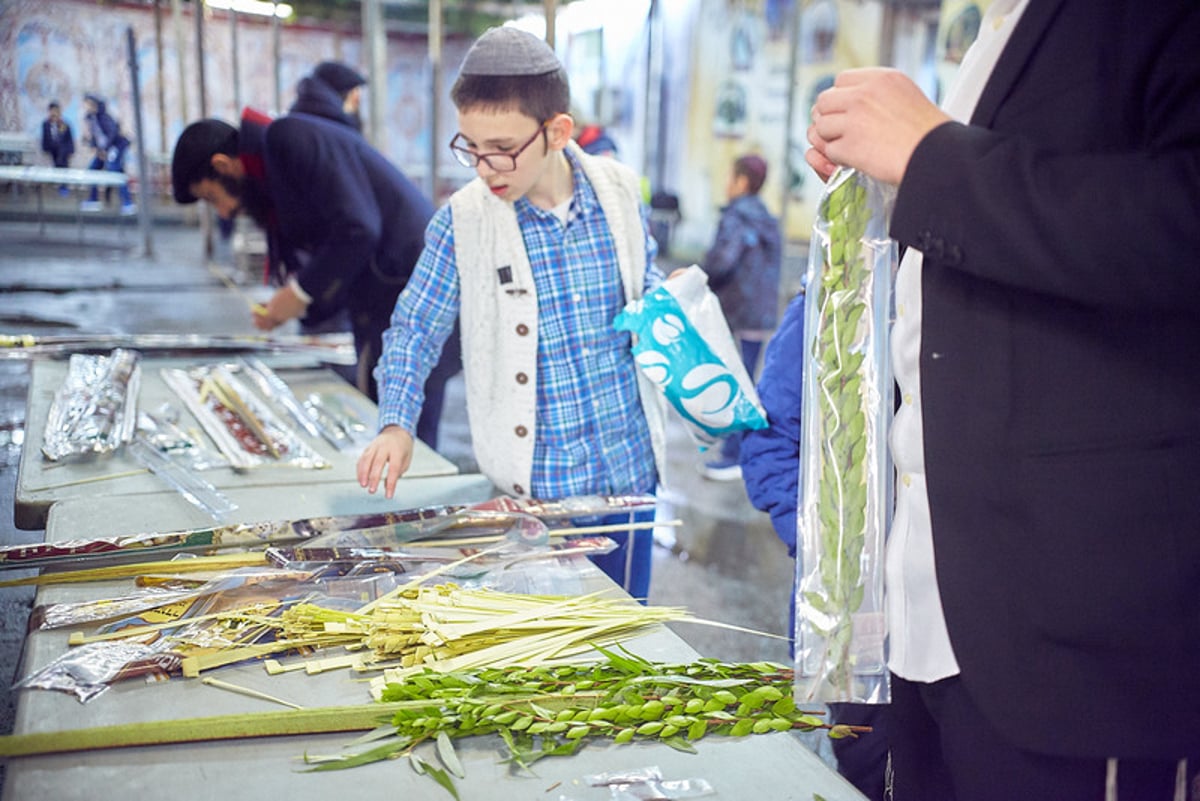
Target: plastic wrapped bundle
95,409
846,474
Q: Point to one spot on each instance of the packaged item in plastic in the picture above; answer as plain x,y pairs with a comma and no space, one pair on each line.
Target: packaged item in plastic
845,497
95,409
683,345
247,431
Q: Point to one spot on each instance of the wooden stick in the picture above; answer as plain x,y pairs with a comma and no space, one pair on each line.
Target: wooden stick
554,532
92,479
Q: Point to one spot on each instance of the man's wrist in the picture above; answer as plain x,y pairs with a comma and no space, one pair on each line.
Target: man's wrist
298,290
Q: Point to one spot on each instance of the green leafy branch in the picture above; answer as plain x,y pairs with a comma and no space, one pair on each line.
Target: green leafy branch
838,360
552,711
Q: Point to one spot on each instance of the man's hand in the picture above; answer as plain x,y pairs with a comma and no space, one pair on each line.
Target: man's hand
392,449
872,120
283,306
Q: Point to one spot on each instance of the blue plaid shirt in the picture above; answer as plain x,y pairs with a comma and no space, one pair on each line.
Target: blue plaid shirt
592,436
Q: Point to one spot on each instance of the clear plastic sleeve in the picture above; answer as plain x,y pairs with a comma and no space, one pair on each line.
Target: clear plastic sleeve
247,431
846,474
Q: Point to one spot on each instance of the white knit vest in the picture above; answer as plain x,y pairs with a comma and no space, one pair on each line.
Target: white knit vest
499,317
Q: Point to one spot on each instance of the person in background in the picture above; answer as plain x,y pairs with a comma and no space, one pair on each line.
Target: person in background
344,227
333,91
57,140
1043,565
743,270
103,135
595,141
770,460
536,256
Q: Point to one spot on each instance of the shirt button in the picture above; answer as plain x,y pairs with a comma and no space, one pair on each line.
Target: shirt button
900,310
907,479
522,378
908,398
522,329
517,488
520,431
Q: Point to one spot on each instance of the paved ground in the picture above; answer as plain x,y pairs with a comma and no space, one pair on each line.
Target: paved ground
724,563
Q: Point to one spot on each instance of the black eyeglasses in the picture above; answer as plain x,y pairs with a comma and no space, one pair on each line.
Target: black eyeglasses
498,162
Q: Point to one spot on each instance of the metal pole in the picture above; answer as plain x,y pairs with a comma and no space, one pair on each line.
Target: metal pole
435,100
206,224
139,131
276,58
237,73
654,131
200,82
789,124
180,58
549,12
375,40
162,94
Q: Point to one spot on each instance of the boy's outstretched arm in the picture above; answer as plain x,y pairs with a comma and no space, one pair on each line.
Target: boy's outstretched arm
391,450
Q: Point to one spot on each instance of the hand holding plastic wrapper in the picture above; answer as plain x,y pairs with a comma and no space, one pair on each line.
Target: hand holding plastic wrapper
683,344
845,488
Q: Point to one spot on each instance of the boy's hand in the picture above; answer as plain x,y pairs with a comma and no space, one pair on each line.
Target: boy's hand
392,450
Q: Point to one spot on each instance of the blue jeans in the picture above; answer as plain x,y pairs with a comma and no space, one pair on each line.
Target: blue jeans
629,564
115,162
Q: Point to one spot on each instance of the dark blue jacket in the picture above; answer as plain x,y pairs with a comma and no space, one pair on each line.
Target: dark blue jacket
314,96
103,132
350,225
743,264
58,141
770,457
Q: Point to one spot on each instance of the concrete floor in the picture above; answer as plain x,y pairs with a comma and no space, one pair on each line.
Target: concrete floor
724,563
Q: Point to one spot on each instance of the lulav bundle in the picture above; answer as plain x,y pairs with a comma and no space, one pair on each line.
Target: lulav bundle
845,472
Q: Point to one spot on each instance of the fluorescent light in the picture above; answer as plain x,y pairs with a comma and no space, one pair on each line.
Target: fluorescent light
281,10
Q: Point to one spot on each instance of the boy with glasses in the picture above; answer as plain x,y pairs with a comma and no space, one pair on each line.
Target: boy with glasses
535,257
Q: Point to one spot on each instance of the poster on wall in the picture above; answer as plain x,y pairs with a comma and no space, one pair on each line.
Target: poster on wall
738,104
834,35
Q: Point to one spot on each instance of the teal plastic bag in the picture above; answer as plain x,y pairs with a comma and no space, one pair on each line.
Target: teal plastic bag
683,345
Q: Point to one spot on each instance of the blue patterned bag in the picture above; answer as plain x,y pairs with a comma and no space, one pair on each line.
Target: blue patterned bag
683,345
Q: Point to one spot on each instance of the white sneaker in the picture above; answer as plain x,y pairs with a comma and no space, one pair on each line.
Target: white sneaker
721,471
91,205
129,209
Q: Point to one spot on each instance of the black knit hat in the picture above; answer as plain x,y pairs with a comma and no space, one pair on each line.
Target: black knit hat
338,76
194,150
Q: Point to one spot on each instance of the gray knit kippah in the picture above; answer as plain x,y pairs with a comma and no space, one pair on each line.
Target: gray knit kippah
509,51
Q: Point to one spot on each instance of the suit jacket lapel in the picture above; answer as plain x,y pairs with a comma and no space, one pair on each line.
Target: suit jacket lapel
1030,30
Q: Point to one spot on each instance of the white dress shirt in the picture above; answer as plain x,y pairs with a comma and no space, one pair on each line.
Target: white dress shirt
919,645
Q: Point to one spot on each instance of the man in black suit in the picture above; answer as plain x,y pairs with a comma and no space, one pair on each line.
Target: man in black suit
1044,567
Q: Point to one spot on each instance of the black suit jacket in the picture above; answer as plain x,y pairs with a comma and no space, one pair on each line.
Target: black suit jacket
1060,370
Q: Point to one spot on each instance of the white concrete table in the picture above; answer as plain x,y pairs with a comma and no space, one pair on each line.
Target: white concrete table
40,176
772,766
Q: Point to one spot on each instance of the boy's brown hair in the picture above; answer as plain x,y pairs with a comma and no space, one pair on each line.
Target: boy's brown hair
754,168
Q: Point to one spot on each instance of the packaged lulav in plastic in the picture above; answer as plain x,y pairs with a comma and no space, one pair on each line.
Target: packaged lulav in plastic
845,498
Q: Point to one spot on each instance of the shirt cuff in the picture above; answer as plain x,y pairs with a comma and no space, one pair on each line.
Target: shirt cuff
299,290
